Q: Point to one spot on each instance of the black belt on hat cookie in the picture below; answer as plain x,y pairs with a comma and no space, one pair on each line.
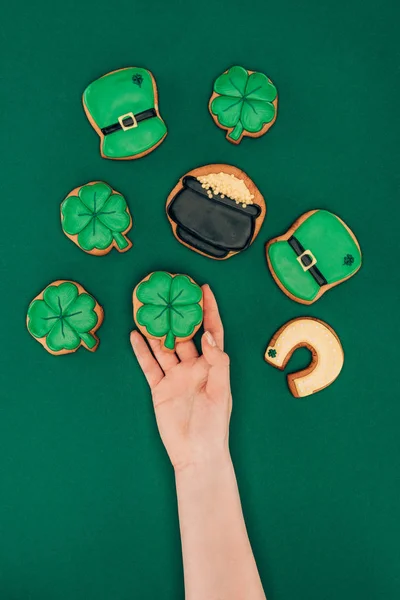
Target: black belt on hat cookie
129,121
306,260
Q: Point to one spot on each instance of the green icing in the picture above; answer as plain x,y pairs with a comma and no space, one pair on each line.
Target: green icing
332,245
97,216
289,272
64,316
244,101
114,95
330,242
170,306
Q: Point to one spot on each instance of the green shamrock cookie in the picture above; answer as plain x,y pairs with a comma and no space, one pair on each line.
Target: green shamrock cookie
64,317
96,218
244,103
168,307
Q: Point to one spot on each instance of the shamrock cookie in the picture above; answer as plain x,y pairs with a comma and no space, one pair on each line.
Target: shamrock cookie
245,103
326,350
216,210
168,307
96,218
64,317
122,108
318,252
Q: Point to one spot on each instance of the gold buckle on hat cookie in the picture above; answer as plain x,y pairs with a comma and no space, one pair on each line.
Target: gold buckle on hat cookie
310,255
126,127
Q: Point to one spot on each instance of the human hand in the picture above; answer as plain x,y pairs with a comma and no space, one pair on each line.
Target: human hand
191,393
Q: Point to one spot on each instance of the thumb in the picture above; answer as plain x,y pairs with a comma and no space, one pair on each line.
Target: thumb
218,376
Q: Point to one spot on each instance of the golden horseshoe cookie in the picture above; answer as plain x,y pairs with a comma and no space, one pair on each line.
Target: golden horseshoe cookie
324,345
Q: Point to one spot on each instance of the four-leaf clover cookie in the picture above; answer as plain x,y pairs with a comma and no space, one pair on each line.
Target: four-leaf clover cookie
244,103
168,307
96,218
64,317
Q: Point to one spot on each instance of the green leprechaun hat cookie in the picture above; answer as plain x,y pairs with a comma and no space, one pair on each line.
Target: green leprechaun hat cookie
168,307
64,317
317,253
122,107
243,102
96,218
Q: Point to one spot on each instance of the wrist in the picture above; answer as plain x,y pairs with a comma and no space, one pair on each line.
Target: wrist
206,469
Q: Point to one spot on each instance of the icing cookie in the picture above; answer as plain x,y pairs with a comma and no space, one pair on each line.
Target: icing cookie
216,210
63,317
122,108
326,350
168,307
96,218
318,252
245,103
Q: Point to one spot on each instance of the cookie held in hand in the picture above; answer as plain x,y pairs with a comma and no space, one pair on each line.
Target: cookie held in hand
324,345
63,317
168,307
216,210
96,218
122,108
317,253
245,103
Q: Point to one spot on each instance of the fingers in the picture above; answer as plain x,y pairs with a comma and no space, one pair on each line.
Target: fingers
212,353
146,360
167,360
218,384
212,320
186,350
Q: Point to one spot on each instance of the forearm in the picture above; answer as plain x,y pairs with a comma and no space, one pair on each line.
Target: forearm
217,556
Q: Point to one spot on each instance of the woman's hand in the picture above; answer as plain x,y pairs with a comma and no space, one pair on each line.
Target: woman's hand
191,393
192,401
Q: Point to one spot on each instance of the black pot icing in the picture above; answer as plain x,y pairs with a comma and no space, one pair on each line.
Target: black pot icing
214,226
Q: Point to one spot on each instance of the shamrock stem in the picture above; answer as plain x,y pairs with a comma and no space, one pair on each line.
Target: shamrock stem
237,132
89,339
121,240
170,340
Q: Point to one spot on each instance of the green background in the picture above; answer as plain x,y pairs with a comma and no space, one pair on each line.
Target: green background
87,497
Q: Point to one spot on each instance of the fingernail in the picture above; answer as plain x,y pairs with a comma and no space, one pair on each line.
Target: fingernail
209,338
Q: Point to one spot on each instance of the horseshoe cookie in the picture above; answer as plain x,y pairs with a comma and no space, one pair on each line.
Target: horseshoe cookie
324,345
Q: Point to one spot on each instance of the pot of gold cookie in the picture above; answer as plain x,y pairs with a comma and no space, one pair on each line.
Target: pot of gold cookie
216,210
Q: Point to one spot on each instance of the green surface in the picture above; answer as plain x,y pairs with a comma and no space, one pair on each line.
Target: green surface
87,496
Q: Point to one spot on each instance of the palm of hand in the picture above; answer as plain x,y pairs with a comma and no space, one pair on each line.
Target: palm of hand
190,420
